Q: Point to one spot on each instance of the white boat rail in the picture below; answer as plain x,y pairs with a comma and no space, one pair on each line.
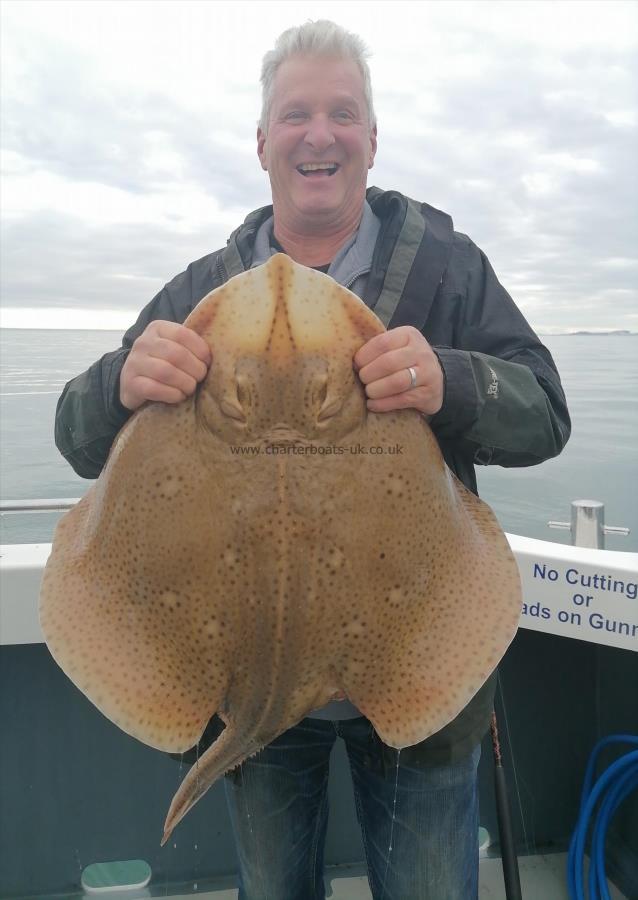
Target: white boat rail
20,506
579,592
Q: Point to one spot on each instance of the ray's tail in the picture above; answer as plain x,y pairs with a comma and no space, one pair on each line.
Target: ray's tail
229,750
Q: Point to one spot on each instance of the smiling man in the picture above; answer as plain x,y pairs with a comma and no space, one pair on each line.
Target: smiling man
457,349
316,142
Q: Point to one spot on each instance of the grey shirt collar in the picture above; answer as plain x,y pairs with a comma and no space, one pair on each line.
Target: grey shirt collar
352,261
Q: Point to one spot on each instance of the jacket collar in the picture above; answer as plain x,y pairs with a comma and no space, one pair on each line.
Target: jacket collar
353,260
410,256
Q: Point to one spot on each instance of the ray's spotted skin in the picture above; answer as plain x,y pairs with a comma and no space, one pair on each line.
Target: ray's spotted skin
218,565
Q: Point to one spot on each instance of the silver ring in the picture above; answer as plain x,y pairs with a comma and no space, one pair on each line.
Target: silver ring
412,372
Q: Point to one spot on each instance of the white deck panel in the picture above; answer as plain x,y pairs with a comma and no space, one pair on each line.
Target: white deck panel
543,877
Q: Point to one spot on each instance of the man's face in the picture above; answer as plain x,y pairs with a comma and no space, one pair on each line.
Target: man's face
318,115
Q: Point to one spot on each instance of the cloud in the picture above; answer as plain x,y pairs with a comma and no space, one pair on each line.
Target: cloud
56,260
69,124
538,173
520,122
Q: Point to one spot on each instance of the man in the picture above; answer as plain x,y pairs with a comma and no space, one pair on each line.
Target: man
458,350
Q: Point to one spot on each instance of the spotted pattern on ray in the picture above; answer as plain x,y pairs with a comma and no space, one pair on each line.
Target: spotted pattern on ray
211,569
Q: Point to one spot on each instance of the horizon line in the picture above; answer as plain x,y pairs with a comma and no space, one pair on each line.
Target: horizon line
576,333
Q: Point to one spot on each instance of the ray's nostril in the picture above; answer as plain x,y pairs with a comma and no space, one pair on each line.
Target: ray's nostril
324,399
235,407
233,410
321,391
329,408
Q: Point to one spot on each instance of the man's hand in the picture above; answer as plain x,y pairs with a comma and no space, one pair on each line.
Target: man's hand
383,365
165,363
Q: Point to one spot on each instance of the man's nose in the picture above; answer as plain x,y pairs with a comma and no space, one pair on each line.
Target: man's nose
319,134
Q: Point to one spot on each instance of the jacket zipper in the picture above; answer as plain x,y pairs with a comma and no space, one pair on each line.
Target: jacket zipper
221,271
356,275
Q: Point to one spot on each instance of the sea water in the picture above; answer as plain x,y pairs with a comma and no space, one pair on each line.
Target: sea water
599,373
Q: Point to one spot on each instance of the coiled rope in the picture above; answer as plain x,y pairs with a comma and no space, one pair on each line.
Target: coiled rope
612,787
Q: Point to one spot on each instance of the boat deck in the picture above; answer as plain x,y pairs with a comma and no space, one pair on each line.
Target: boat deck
542,878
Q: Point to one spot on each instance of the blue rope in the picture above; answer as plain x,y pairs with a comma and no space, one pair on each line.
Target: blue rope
623,786
611,788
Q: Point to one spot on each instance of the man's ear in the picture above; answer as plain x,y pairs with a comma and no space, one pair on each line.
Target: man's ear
261,143
373,146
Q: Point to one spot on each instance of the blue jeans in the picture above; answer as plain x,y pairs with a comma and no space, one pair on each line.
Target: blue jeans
278,802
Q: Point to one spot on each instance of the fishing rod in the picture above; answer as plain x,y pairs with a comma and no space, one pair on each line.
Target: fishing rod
509,860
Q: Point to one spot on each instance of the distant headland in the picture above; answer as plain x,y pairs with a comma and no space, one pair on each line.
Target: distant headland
615,331
622,332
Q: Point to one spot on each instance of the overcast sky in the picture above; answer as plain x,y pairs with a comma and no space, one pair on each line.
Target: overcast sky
128,144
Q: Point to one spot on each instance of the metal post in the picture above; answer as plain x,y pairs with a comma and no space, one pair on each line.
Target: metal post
587,524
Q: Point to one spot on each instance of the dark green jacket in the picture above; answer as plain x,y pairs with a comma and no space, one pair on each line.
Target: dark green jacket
503,402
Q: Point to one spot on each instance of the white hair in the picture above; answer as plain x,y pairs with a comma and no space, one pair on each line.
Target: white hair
321,38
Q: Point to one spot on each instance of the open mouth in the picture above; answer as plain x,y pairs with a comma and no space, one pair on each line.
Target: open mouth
317,170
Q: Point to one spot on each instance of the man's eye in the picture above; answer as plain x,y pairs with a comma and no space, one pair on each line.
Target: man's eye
343,114
295,114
